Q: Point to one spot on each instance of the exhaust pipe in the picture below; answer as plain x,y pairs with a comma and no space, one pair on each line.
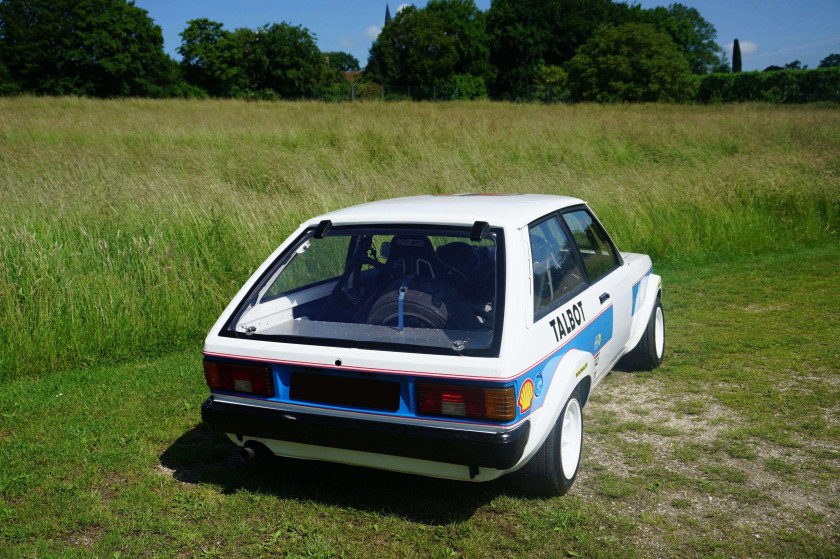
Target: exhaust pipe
247,453
254,449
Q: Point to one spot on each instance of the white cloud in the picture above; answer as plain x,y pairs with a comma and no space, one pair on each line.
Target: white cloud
748,48
401,6
372,32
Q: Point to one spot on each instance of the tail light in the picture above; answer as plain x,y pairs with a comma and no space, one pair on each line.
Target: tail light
232,377
494,404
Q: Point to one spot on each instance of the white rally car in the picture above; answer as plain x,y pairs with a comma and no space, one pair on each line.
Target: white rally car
449,336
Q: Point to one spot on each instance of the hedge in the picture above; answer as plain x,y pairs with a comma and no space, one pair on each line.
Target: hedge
780,86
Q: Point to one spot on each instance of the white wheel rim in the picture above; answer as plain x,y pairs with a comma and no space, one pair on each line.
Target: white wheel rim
659,332
570,438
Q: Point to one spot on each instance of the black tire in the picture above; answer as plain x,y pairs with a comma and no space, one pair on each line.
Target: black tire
646,355
420,308
544,474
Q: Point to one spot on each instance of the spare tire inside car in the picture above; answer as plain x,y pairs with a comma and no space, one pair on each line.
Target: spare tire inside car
425,305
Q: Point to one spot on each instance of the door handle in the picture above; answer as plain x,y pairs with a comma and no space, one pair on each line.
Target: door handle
604,297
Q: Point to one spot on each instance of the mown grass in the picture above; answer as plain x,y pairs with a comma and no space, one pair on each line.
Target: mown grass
126,226
112,459
741,425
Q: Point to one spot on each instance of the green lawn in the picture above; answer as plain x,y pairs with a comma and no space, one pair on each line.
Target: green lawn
730,449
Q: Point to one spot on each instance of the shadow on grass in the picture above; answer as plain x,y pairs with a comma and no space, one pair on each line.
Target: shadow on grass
201,456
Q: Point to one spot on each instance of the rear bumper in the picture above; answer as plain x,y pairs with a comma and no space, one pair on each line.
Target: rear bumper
501,451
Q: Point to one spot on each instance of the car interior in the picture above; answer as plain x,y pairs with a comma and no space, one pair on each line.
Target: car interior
444,283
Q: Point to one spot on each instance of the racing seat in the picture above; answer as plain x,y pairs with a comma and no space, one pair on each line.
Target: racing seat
463,263
414,256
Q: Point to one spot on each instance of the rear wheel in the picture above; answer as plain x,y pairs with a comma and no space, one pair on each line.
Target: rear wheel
648,353
553,469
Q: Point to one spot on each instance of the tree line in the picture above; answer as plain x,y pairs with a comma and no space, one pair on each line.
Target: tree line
596,50
112,48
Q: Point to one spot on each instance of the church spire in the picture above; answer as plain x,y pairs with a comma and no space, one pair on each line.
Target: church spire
387,14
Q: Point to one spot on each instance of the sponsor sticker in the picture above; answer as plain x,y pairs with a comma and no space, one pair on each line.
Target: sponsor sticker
410,242
526,395
580,371
597,342
567,321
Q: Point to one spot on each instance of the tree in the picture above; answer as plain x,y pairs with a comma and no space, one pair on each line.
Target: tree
722,65
429,46
86,47
830,61
695,36
551,84
795,65
282,58
412,50
630,62
529,34
736,56
7,84
463,21
169,79
342,61
211,58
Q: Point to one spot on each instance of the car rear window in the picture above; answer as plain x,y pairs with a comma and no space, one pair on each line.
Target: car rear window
394,287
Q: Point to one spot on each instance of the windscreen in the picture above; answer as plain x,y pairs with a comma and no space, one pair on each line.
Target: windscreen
412,288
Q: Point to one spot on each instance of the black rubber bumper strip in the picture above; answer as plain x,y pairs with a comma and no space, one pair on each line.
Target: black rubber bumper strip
468,448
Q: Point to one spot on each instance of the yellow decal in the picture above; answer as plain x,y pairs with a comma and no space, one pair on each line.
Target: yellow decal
598,341
526,395
580,371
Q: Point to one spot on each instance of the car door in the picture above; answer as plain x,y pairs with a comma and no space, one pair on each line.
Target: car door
566,313
609,287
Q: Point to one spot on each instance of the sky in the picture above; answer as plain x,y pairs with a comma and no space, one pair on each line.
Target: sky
770,32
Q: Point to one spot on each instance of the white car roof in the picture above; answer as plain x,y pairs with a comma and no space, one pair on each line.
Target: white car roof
505,210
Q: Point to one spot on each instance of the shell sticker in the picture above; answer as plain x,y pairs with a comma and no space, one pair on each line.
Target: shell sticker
526,395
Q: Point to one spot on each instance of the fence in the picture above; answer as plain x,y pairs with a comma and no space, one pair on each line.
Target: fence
338,93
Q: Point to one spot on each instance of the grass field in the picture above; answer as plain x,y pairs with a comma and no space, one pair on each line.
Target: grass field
126,226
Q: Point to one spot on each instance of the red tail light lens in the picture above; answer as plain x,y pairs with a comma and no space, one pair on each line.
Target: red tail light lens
494,404
232,377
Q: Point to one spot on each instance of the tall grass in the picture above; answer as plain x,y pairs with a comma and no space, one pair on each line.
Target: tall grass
126,226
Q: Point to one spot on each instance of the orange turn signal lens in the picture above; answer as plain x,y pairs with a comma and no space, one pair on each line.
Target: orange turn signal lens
469,402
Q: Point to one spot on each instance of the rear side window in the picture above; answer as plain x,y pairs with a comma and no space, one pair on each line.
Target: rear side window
556,271
596,250
324,260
